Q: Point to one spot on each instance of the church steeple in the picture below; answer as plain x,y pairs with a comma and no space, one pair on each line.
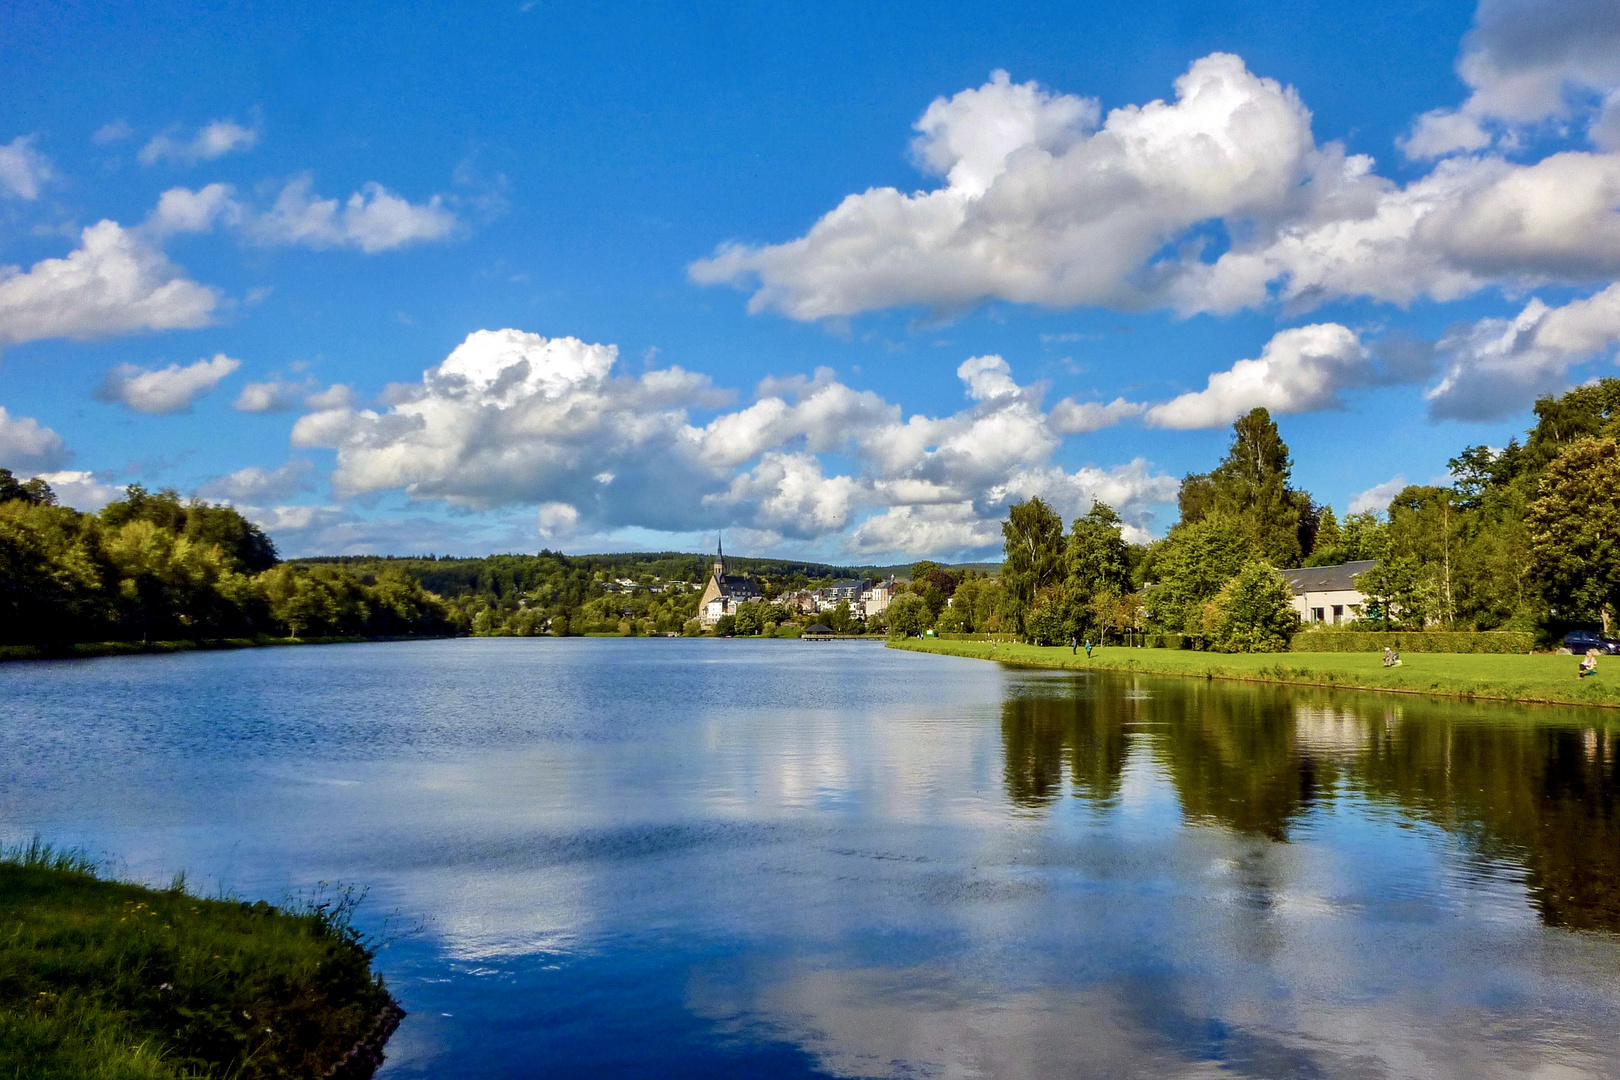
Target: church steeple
719,557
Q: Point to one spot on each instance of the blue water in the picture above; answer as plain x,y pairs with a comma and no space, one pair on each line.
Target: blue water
657,858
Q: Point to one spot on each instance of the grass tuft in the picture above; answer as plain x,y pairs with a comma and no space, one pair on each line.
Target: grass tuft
104,979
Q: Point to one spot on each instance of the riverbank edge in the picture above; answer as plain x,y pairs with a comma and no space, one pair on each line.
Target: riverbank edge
87,650
66,886
1279,674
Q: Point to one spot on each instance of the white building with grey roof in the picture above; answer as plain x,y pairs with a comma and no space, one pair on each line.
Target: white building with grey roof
1328,594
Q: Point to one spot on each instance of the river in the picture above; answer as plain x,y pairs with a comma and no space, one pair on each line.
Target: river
697,858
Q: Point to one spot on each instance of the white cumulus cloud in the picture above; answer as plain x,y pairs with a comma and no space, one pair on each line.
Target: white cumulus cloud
254,485
279,395
181,210
557,521
372,219
1375,500
1070,417
161,391
1299,370
81,490
1496,367
1041,205
28,447
1528,61
513,418
212,140
23,170
1046,202
1471,222
115,282
111,132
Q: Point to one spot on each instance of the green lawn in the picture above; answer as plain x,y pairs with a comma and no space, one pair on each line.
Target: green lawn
1505,677
111,981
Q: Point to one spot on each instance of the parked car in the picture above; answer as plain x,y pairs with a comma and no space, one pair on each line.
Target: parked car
1578,641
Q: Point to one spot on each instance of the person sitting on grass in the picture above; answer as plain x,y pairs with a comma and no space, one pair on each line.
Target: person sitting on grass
1588,664
1391,657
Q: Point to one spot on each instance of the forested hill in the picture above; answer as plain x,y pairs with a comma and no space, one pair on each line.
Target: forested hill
501,575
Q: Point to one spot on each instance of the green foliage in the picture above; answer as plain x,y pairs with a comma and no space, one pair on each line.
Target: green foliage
1575,530
954,620
242,544
1252,613
749,620
1033,534
1191,566
151,568
980,605
1251,487
35,492
1098,557
104,979
1329,537
908,616
1419,641
1058,617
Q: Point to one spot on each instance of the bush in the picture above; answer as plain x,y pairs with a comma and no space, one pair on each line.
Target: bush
1416,641
1253,612
1168,641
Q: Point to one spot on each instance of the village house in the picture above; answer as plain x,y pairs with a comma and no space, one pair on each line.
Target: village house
1328,594
875,600
843,591
724,592
802,602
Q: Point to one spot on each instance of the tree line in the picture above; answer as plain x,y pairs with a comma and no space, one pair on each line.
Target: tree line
1526,537
151,567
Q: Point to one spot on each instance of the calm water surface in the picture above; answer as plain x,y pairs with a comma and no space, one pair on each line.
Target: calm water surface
710,859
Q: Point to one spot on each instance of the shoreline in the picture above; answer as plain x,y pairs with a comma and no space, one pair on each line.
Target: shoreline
1528,680
108,977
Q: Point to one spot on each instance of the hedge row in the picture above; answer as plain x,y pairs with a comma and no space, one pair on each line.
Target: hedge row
1417,641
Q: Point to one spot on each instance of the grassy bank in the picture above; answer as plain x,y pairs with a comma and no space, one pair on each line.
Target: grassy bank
135,648
1537,679
101,979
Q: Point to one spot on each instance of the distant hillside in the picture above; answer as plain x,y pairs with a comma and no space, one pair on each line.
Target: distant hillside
511,575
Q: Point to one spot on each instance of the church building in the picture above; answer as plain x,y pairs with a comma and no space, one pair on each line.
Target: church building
725,591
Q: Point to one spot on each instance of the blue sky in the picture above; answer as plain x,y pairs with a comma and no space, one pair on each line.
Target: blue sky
1392,224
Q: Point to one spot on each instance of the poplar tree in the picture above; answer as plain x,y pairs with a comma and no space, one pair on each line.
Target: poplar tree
1033,535
1575,531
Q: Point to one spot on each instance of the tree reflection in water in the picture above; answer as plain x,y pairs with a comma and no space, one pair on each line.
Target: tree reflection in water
1520,786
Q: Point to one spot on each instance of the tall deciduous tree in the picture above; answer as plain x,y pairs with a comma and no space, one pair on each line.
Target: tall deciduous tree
1098,556
908,616
1190,566
1251,486
1033,535
1575,531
